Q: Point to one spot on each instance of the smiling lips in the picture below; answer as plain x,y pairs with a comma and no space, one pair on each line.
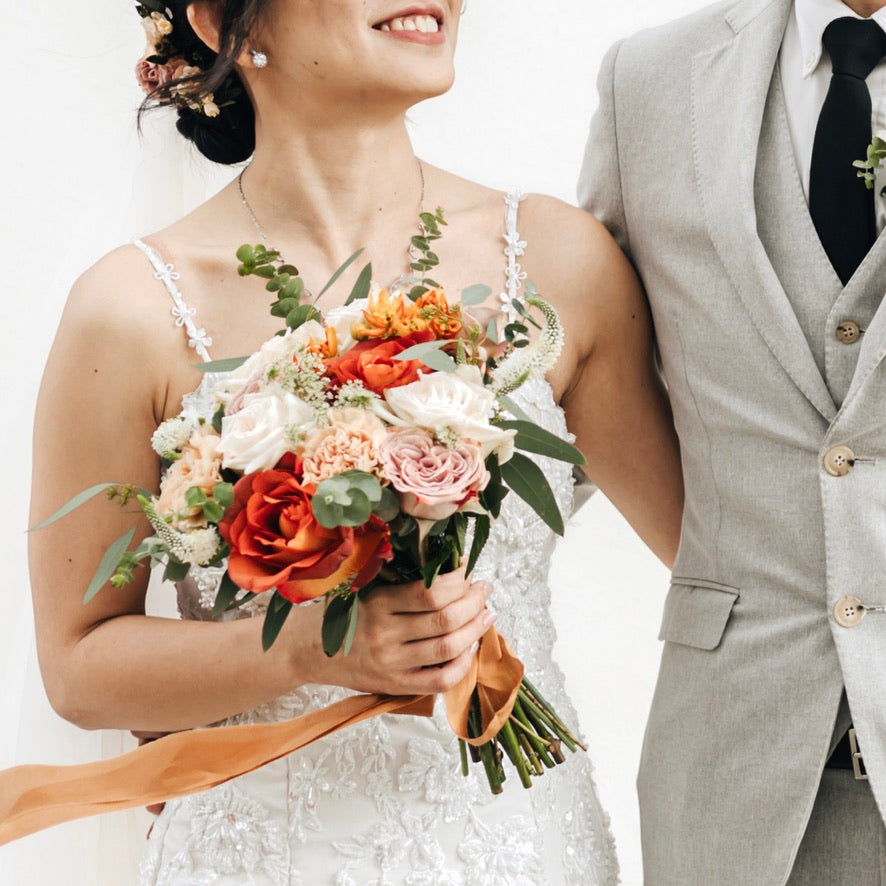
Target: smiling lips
424,24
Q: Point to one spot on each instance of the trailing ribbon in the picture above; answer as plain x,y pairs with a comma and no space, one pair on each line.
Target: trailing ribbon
35,797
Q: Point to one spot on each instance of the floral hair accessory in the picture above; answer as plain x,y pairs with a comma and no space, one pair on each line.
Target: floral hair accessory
164,65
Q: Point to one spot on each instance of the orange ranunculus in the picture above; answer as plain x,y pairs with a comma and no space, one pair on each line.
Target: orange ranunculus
444,320
389,316
276,543
372,363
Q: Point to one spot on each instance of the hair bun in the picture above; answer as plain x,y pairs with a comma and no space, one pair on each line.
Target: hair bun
228,138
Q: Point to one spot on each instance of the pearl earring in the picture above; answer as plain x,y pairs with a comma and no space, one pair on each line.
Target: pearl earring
259,59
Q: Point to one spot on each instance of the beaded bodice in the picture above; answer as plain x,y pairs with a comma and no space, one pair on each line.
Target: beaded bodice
384,802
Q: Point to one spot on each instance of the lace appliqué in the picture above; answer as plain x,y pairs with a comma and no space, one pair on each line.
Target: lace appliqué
515,248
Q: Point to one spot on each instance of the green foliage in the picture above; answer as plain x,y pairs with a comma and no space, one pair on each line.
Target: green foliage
108,565
532,438
874,157
347,499
525,478
431,354
339,623
362,286
275,617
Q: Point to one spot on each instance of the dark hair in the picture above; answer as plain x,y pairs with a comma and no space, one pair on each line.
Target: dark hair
228,137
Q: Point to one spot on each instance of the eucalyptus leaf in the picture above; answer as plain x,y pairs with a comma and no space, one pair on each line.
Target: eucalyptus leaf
361,287
526,479
475,295
108,565
492,331
275,618
336,622
228,365
532,438
79,499
334,278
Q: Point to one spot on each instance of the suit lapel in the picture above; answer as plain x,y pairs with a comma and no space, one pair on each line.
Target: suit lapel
725,140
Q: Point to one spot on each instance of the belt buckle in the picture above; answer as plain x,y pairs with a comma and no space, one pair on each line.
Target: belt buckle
857,759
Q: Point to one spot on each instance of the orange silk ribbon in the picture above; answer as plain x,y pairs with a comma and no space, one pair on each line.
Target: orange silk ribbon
36,797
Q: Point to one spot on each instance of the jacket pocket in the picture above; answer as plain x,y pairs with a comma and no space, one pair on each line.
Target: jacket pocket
696,612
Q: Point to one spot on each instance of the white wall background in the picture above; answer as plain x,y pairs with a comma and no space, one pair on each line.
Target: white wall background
518,116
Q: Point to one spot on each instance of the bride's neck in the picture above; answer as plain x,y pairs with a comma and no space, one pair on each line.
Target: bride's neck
337,188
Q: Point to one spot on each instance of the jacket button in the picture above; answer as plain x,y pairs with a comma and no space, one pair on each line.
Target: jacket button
839,461
848,332
849,612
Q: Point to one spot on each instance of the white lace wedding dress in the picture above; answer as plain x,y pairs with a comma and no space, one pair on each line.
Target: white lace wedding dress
385,802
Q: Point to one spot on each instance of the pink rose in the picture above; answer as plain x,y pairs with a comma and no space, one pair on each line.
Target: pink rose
433,481
151,75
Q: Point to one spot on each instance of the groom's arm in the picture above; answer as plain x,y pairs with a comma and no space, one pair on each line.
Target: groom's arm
599,185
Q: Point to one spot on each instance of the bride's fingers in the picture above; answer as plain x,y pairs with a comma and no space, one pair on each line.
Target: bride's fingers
446,620
431,680
415,597
442,649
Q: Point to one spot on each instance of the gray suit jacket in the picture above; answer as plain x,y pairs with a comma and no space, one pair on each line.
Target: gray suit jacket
754,663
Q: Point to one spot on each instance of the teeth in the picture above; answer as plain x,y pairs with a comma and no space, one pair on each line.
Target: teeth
426,24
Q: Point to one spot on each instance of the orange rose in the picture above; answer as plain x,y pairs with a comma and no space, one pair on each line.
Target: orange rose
276,543
373,364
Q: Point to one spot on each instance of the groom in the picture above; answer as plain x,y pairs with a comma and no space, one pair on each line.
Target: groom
721,158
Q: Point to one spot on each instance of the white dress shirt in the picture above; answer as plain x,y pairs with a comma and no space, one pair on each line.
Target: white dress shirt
806,76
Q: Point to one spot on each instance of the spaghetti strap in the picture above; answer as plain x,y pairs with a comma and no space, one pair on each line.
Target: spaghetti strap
184,315
514,249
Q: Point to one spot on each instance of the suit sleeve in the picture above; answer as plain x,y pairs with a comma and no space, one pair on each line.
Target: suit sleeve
599,185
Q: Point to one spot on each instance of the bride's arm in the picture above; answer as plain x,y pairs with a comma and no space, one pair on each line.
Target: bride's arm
608,380
106,664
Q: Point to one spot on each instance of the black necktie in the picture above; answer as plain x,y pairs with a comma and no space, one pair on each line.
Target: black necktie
842,208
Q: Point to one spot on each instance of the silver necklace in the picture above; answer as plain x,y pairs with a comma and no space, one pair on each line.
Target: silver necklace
410,249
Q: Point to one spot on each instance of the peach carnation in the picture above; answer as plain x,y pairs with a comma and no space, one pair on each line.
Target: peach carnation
350,442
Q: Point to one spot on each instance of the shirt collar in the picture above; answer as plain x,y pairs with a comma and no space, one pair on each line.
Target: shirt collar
813,16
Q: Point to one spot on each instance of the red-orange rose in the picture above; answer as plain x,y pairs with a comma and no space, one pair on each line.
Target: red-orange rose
275,541
372,363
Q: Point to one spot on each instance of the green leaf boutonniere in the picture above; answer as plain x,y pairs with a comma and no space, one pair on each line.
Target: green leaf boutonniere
876,154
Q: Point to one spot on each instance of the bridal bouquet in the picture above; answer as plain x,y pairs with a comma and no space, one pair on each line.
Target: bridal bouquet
373,444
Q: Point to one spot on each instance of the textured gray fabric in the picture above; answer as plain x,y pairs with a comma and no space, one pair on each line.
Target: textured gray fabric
754,664
845,843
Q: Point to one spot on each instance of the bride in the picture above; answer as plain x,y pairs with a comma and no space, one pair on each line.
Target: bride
315,94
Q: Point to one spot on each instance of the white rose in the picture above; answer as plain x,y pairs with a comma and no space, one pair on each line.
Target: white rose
343,319
255,438
457,401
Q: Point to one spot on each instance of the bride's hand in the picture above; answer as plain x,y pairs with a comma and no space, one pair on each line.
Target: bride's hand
413,640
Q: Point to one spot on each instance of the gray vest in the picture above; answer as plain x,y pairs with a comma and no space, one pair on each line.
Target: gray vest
833,318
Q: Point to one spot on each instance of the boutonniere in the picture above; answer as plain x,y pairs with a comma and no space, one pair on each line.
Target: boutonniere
876,154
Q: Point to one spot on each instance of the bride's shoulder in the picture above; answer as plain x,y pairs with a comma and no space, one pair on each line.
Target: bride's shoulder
564,242
117,304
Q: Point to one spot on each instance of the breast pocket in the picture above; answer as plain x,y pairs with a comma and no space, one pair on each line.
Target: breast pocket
696,612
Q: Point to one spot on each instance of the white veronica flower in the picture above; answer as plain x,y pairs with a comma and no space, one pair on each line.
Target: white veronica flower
536,359
195,546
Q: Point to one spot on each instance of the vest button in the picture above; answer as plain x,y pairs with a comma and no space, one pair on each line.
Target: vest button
848,332
849,612
839,461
